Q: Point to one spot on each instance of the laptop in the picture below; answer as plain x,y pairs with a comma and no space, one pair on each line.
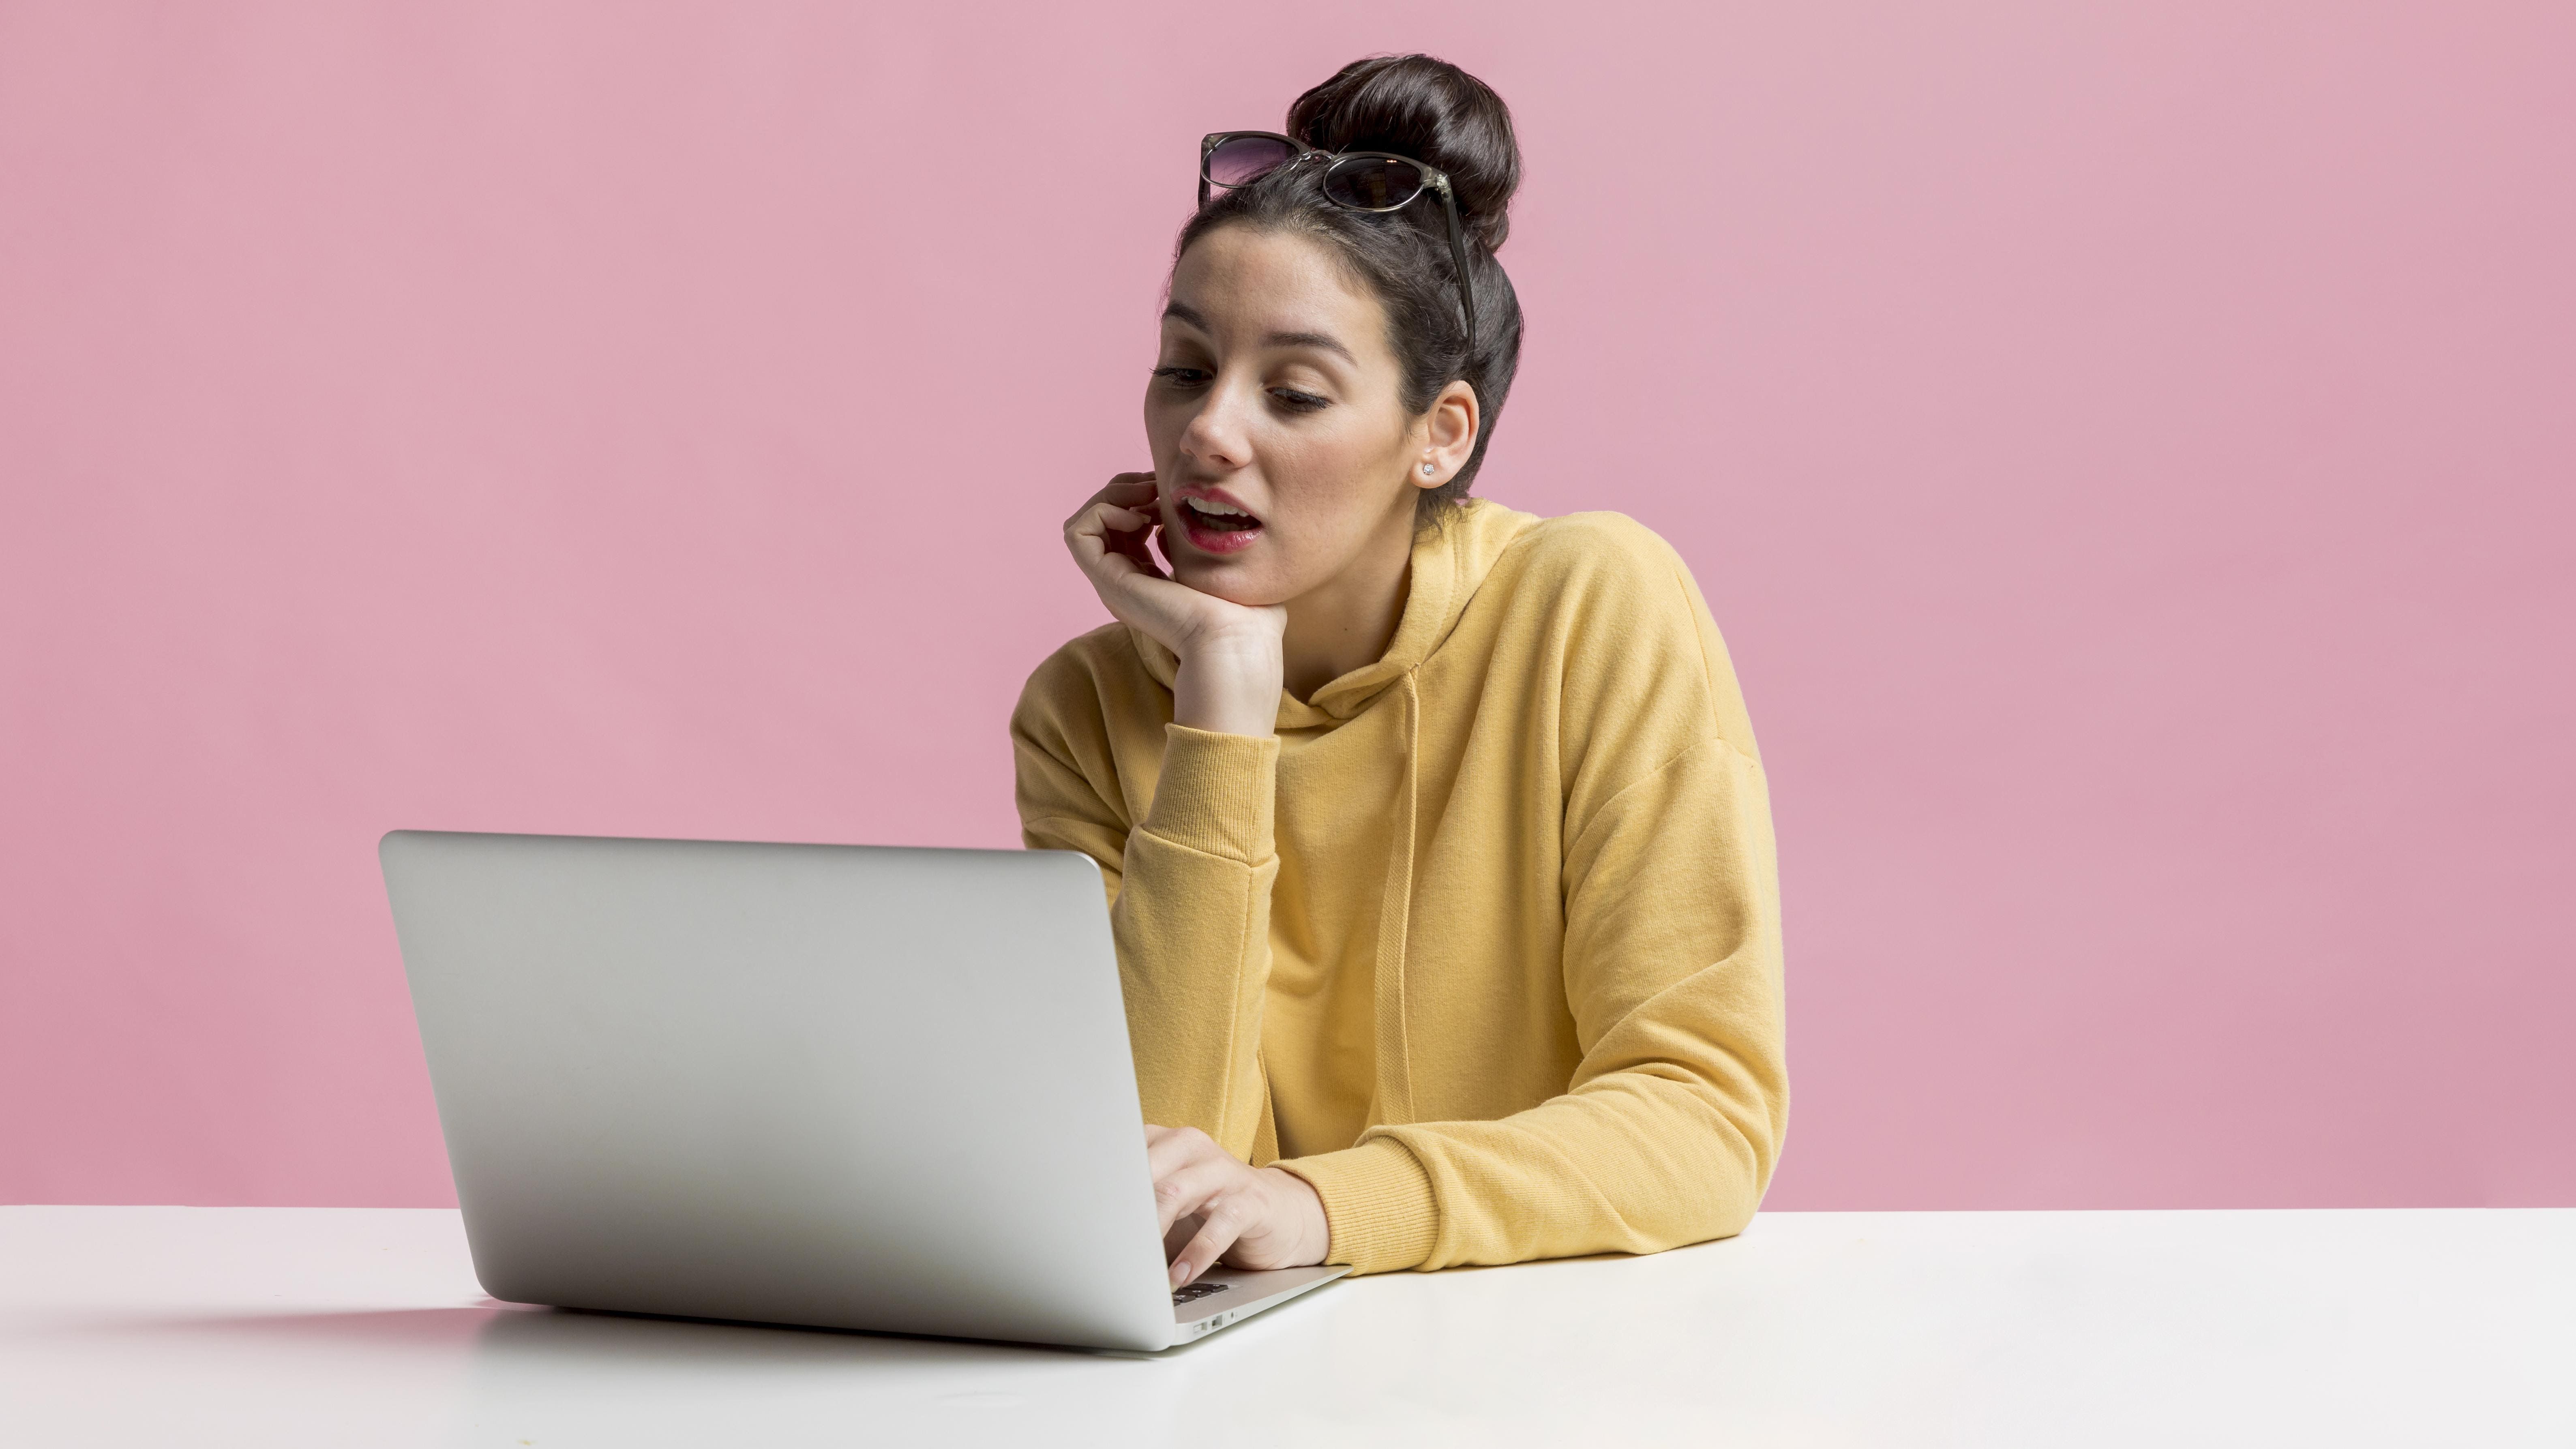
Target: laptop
837,1086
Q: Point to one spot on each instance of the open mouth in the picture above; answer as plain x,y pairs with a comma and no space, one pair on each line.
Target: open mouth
1217,526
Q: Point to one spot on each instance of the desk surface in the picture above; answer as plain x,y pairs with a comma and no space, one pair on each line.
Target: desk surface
349,1326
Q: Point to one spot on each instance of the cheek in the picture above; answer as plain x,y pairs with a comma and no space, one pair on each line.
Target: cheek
1163,424
1337,478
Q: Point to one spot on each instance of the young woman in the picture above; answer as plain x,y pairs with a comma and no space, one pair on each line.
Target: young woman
1439,854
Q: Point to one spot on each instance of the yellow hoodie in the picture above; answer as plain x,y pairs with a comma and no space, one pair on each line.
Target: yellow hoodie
1485,944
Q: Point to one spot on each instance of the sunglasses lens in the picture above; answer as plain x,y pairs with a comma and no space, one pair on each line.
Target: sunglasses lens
1244,158
1371,183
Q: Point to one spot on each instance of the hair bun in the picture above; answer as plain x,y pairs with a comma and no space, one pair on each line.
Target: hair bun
1430,110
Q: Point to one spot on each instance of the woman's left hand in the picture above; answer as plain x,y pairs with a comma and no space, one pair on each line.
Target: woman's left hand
1247,1217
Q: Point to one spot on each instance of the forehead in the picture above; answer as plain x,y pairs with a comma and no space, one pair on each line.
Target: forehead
1250,283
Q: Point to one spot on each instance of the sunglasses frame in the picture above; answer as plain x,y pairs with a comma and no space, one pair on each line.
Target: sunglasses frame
1301,153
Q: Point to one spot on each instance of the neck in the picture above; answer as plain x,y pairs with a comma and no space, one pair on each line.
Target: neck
1347,623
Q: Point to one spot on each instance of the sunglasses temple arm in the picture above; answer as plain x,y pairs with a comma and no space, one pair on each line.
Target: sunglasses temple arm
1458,258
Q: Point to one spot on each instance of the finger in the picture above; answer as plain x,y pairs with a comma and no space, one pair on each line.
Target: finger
1102,554
1105,528
1189,1190
1117,530
1117,520
1093,555
1137,499
1103,517
1177,1237
1126,488
1167,1149
1137,546
1145,599
1226,1219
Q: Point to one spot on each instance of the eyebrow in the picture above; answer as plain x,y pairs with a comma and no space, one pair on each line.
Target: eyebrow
1320,341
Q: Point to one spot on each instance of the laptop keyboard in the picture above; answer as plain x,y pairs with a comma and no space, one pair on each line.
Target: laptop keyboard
1197,1291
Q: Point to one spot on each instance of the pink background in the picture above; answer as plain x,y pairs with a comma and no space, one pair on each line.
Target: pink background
2129,447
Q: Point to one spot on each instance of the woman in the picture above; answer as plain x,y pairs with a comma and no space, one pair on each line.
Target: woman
1439,855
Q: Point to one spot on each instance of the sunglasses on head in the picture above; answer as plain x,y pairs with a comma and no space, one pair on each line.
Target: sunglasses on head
1359,180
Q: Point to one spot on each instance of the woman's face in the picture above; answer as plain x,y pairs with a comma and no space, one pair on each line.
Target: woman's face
1282,450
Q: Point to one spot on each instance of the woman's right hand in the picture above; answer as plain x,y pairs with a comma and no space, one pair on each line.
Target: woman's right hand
1230,666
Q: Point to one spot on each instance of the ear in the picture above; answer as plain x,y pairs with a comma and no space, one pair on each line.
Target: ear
1448,434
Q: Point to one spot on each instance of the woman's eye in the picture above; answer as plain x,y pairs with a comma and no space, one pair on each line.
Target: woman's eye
1299,402
1181,376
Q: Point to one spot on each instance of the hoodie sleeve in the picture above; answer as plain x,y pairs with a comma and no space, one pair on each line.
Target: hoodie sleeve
1672,1120
1189,891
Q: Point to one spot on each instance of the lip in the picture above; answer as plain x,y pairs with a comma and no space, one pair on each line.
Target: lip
1205,540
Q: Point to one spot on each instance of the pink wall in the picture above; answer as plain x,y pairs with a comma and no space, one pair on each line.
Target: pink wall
2129,447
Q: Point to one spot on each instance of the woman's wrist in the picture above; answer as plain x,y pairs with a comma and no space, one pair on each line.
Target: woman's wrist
1229,686
1313,1230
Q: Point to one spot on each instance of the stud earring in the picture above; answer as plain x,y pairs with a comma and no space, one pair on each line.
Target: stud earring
1428,470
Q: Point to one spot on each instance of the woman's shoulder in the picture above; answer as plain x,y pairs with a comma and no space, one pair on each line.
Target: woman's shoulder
1084,680
1603,559
1613,605
1111,648
1594,540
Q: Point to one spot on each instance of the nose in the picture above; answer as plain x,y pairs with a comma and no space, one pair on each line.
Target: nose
1217,438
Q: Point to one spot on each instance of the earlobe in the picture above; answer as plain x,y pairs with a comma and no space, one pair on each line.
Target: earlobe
1453,423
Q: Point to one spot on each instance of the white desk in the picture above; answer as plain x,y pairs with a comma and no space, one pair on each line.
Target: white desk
365,1327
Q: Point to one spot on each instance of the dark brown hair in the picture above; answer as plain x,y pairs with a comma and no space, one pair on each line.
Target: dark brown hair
1435,113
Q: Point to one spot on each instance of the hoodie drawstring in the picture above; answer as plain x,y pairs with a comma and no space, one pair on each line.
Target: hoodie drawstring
1394,922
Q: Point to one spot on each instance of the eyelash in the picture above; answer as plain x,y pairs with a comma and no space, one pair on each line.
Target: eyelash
1288,397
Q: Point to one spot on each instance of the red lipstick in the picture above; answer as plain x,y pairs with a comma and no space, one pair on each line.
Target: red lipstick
1212,521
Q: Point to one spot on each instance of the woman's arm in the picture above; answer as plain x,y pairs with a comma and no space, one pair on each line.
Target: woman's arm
1669,1128
1670,1125
1189,883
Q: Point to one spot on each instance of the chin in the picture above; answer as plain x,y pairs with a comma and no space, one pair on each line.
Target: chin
1231,580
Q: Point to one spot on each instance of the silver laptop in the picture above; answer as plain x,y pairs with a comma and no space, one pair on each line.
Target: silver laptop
842,1086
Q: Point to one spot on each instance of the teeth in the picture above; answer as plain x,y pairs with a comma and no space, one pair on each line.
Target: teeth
1215,509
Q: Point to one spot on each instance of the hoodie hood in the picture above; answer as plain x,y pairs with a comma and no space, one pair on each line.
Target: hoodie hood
1449,562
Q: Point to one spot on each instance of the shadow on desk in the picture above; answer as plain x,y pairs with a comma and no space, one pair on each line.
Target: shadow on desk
566,1376
570,1336
429,1332
616,1378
